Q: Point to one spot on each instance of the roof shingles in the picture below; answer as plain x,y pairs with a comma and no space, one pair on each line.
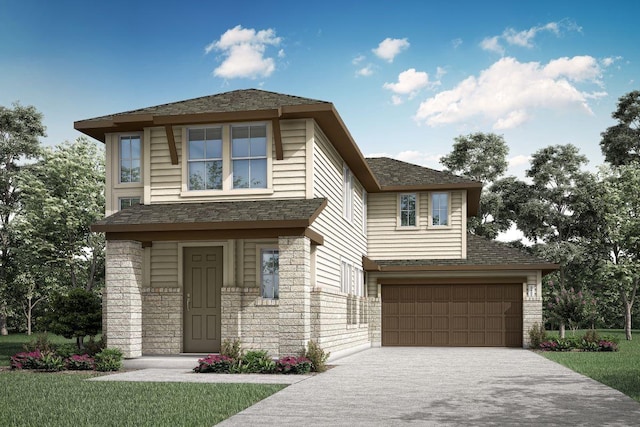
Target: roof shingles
392,173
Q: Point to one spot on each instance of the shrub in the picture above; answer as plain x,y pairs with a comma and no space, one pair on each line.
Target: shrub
51,362
26,360
41,342
80,362
537,335
231,349
606,345
75,315
66,350
254,362
317,356
217,363
293,365
591,336
93,347
109,359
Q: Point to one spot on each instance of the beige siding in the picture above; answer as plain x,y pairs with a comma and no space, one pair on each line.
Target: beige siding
388,241
164,265
342,239
288,175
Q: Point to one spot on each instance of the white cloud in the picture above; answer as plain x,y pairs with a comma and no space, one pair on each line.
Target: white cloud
409,82
508,92
440,72
524,38
518,160
281,53
492,45
396,100
389,48
358,59
609,61
365,71
456,43
244,51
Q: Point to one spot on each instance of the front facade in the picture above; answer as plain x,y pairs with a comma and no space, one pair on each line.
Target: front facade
253,215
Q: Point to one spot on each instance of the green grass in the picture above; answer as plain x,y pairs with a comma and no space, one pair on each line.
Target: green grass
620,370
12,344
63,399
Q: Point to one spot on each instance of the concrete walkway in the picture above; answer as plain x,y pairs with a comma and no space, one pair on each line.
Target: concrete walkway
424,387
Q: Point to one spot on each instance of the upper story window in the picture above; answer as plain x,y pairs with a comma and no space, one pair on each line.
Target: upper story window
440,209
269,273
347,194
130,159
249,156
127,202
205,159
408,210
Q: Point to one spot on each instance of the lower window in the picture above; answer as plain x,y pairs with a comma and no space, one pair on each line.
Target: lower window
127,202
269,272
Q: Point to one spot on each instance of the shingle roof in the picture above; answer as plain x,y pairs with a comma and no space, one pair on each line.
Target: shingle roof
245,213
480,252
234,101
392,173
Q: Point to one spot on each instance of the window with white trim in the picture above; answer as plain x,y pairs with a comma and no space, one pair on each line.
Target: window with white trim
127,202
408,210
130,158
351,279
347,193
269,273
249,156
439,209
205,158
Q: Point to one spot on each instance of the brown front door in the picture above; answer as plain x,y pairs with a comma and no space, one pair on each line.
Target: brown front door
452,315
202,283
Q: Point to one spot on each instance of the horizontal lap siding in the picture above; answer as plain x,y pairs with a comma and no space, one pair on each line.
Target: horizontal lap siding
386,241
341,238
164,265
288,178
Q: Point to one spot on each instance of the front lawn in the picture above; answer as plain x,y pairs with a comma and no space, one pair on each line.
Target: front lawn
66,399
620,370
12,344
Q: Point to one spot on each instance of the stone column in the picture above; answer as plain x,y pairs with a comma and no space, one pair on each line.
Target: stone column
531,313
295,294
122,297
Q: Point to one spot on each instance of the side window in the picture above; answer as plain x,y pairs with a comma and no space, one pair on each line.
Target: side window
408,210
249,156
205,158
130,159
269,272
440,209
127,202
347,194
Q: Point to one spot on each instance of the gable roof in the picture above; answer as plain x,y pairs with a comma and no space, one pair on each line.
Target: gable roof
482,254
396,175
257,218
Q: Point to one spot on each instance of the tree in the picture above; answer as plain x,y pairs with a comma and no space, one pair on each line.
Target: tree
482,157
620,143
619,235
20,128
75,315
62,197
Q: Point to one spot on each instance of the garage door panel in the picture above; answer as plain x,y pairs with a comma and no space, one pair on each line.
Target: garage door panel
452,315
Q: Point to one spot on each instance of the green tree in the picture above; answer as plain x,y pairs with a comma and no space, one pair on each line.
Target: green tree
482,157
63,194
20,128
619,235
75,315
620,143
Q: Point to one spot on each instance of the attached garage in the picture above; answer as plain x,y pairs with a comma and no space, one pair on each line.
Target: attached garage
452,315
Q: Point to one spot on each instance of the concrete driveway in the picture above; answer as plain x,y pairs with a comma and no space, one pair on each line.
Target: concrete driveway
443,386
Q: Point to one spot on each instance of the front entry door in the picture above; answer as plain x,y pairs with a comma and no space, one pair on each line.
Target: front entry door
202,283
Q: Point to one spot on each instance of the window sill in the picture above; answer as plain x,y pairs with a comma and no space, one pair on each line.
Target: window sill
225,193
128,185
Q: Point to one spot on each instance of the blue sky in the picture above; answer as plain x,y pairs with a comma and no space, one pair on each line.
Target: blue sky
406,77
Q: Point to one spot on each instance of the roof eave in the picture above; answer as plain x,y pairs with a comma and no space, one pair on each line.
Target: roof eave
546,268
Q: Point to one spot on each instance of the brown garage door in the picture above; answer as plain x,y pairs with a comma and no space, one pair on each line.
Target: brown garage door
452,315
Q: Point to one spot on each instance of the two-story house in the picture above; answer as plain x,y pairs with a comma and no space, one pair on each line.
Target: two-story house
254,215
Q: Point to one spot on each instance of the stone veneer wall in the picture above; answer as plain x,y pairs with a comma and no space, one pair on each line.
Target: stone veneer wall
531,313
245,315
329,322
375,321
162,320
294,321
122,296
